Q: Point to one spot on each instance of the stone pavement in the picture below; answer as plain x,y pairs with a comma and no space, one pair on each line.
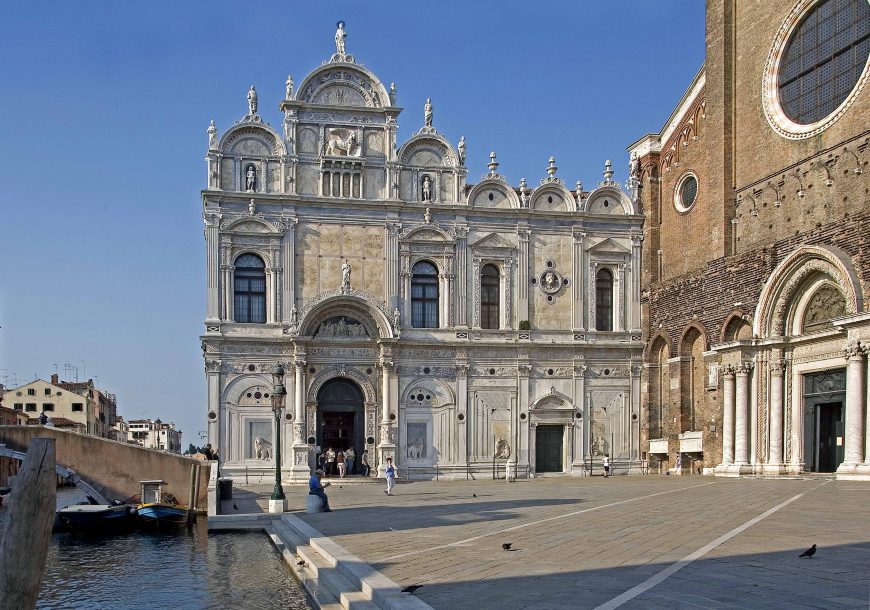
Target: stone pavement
583,543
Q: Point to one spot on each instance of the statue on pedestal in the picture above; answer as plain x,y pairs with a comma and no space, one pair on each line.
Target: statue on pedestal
340,35
461,148
288,93
427,113
212,136
427,188
345,276
252,101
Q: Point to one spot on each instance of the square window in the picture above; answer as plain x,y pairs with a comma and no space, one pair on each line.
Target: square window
47,406
77,406
48,391
31,406
31,391
19,406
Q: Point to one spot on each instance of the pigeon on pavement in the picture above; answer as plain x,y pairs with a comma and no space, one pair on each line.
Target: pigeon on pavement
475,495
507,546
235,507
809,552
411,588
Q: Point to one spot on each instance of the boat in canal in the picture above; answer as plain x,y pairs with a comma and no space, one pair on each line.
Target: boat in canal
159,508
97,517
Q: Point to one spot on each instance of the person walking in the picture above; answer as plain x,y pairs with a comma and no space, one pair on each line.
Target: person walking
606,465
349,457
330,462
366,468
321,461
315,488
342,465
391,477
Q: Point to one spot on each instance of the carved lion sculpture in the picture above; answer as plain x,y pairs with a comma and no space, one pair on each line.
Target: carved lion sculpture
263,448
337,146
415,451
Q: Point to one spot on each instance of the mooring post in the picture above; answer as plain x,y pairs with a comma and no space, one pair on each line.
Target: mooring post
190,498
25,527
196,488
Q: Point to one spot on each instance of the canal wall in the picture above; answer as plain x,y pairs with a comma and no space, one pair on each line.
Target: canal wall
112,467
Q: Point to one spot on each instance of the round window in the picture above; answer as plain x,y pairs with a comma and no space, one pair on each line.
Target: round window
686,193
817,65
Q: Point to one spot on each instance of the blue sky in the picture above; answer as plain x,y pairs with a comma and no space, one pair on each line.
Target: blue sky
105,107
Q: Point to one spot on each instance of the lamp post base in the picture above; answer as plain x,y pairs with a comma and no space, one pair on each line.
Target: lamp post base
277,506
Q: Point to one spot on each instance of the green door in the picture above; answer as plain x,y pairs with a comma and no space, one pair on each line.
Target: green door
548,448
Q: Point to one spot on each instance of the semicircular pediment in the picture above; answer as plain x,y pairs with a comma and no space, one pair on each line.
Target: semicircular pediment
252,140
343,85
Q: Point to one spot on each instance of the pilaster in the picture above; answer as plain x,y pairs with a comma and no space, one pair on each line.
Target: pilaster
853,459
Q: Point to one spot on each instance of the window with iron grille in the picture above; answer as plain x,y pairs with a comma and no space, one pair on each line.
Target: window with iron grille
250,290
824,59
424,295
489,297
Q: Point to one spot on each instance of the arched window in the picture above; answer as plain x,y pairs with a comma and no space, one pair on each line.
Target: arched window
250,289
604,300
489,297
424,295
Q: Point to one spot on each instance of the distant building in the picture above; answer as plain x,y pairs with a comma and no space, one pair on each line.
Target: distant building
11,417
120,430
105,404
154,434
40,396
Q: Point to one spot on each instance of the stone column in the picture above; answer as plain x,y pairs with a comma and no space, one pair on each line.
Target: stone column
271,293
212,228
522,274
288,259
461,272
228,292
391,266
300,469
635,270
854,448
462,411
727,415
741,415
576,281
774,461
215,413
866,347
387,446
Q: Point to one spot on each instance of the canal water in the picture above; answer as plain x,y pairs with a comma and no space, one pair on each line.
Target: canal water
177,569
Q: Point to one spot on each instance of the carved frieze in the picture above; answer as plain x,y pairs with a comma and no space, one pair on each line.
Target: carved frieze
427,371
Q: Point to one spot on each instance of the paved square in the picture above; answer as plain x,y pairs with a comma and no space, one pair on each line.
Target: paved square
584,543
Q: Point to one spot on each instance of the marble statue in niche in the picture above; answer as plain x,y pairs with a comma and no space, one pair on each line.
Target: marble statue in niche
251,178
252,101
416,441
212,136
262,448
259,440
340,35
427,189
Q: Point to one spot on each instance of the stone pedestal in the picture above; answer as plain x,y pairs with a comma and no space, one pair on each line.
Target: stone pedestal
277,506
300,470
386,449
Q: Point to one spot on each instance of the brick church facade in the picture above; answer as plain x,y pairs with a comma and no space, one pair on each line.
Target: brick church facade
756,245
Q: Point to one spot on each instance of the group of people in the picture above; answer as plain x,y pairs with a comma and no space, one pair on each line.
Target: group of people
317,488
341,463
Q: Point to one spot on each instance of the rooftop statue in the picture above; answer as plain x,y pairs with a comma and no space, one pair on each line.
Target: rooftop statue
461,148
340,35
288,93
252,101
427,113
212,136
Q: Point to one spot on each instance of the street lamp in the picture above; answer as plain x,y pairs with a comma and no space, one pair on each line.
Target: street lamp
278,394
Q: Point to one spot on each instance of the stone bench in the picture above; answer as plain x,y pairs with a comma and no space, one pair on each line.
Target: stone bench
314,504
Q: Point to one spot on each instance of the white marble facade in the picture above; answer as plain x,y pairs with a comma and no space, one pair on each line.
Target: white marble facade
340,213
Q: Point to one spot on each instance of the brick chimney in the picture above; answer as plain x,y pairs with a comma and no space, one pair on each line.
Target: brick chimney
54,380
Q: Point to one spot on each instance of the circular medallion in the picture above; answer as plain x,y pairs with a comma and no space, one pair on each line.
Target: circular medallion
550,281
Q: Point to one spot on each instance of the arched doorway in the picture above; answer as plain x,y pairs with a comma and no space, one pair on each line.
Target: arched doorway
341,417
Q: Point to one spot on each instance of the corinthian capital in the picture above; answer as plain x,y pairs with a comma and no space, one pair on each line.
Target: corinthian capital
854,350
744,368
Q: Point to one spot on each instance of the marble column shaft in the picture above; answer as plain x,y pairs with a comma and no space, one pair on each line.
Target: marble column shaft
728,416
854,447
741,414
776,372
299,403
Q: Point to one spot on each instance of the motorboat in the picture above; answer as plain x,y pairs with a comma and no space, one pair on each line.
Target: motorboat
96,516
159,508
